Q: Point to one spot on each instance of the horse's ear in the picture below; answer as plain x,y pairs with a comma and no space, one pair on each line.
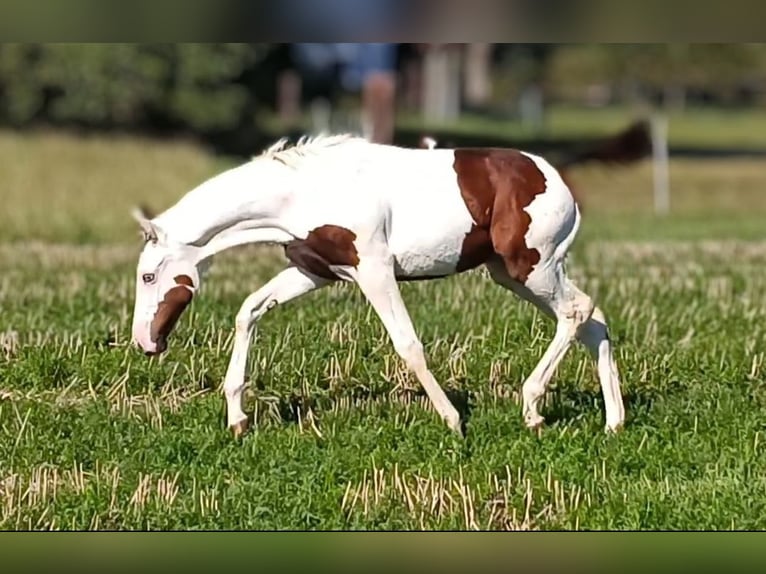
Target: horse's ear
427,142
151,231
146,211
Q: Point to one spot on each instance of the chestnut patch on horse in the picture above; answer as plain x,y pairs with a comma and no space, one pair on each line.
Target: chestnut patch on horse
170,308
324,246
183,280
476,249
496,186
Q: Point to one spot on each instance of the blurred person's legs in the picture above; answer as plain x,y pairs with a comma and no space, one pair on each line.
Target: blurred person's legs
374,66
411,77
318,65
289,96
379,106
366,68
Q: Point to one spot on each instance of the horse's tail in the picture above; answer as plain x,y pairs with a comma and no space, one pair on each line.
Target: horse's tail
627,146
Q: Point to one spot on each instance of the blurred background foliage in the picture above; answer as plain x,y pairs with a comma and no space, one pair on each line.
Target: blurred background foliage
202,87
229,90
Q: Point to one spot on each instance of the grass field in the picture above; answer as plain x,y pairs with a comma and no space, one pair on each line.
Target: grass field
95,435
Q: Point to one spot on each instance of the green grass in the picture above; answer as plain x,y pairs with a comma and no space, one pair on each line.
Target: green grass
95,435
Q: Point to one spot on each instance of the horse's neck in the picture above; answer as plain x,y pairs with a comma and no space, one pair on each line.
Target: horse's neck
248,196
241,235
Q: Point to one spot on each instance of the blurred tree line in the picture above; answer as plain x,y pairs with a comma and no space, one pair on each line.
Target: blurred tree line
664,75
202,87
220,88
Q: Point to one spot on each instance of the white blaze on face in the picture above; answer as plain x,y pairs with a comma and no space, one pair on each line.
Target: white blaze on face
165,285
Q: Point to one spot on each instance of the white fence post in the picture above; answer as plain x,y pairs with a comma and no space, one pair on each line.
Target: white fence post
441,83
660,164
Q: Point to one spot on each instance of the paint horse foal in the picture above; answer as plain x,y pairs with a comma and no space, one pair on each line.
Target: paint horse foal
348,210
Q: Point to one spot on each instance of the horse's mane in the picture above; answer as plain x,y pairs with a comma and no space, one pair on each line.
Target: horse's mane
290,155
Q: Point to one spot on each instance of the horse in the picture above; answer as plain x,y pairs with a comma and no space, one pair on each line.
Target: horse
345,209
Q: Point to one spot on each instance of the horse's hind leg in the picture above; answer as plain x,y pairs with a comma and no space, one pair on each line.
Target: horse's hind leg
571,308
555,295
594,334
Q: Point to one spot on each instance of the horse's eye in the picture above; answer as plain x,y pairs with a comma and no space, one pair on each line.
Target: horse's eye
148,277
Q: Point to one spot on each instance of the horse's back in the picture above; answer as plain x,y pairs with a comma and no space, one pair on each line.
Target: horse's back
445,210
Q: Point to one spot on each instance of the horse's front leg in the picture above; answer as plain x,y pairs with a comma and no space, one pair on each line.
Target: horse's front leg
287,285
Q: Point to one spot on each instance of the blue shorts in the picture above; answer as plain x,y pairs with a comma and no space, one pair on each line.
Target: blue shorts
355,61
367,59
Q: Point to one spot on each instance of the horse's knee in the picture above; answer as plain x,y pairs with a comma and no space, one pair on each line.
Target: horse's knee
243,320
578,310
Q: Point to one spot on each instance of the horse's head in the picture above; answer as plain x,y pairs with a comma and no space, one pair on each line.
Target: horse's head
167,278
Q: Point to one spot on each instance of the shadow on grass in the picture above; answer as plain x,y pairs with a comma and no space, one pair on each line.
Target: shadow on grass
464,403
566,407
291,408
571,405
563,406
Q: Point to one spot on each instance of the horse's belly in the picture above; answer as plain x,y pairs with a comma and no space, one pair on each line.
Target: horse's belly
432,249
423,263
429,220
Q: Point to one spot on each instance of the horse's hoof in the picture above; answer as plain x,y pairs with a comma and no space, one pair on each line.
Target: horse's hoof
458,430
455,424
240,428
614,428
535,424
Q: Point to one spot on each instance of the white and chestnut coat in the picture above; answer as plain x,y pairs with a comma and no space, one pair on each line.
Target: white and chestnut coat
348,210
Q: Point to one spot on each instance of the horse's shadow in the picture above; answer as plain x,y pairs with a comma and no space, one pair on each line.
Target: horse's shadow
567,407
291,408
463,402
572,404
